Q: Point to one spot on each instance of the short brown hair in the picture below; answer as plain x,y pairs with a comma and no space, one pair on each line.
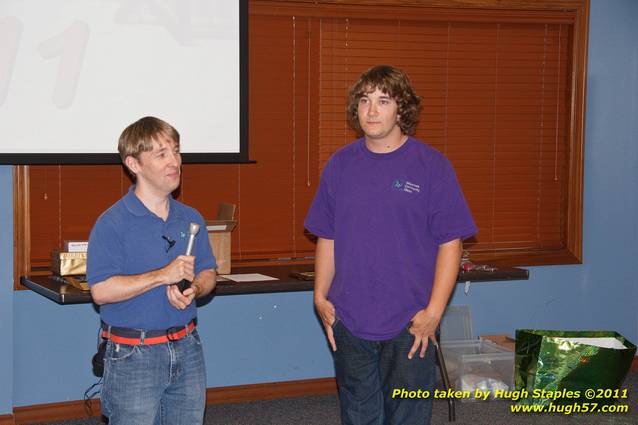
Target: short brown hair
396,84
139,136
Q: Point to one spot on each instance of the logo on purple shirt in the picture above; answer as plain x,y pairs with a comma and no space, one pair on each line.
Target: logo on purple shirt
407,187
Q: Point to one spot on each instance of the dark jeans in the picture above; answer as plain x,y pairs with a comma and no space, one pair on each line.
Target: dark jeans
367,373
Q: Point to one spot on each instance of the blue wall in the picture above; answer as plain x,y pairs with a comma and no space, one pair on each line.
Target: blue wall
6,291
264,338
247,339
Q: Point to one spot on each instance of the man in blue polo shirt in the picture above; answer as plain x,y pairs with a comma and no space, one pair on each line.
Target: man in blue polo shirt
153,365
390,217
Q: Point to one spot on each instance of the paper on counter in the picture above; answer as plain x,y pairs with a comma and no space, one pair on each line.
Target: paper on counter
249,277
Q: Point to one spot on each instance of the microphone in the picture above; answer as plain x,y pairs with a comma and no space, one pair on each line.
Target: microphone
193,228
171,242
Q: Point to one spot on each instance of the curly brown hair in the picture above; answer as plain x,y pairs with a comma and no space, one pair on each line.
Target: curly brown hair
396,84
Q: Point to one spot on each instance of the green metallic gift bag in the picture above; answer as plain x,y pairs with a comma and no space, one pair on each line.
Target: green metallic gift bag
561,366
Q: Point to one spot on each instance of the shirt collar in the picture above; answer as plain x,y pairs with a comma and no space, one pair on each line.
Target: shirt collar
136,207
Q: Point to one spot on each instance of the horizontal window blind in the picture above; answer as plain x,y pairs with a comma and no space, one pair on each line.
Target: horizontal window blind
495,102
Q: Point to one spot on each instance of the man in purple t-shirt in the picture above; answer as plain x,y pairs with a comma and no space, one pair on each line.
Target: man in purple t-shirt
389,216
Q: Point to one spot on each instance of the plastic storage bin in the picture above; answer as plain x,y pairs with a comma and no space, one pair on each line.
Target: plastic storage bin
456,324
478,364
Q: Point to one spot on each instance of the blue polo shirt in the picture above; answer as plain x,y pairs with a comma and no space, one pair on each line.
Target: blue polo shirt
127,239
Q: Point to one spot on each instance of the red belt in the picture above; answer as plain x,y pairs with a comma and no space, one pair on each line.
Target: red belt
123,335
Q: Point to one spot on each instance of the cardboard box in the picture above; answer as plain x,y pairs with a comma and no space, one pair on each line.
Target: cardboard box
76,246
504,341
219,235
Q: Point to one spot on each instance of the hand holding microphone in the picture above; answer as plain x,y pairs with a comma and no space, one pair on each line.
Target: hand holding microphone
193,229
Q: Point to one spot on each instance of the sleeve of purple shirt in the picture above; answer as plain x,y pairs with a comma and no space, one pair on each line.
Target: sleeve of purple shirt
449,217
320,218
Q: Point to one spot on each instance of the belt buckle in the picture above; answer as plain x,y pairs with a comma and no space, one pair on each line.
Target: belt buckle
174,330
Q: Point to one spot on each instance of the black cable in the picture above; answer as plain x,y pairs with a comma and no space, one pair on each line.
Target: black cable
97,363
88,396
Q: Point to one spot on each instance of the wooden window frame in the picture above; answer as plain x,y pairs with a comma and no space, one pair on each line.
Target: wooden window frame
575,12
521,10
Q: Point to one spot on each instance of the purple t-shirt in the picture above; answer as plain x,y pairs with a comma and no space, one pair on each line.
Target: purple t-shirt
387,214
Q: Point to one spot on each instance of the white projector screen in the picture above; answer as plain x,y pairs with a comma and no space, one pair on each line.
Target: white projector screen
75,73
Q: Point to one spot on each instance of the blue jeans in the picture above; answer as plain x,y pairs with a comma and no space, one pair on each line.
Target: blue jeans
368,371
162,384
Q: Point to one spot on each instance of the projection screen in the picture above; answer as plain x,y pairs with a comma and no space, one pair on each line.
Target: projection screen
75,73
